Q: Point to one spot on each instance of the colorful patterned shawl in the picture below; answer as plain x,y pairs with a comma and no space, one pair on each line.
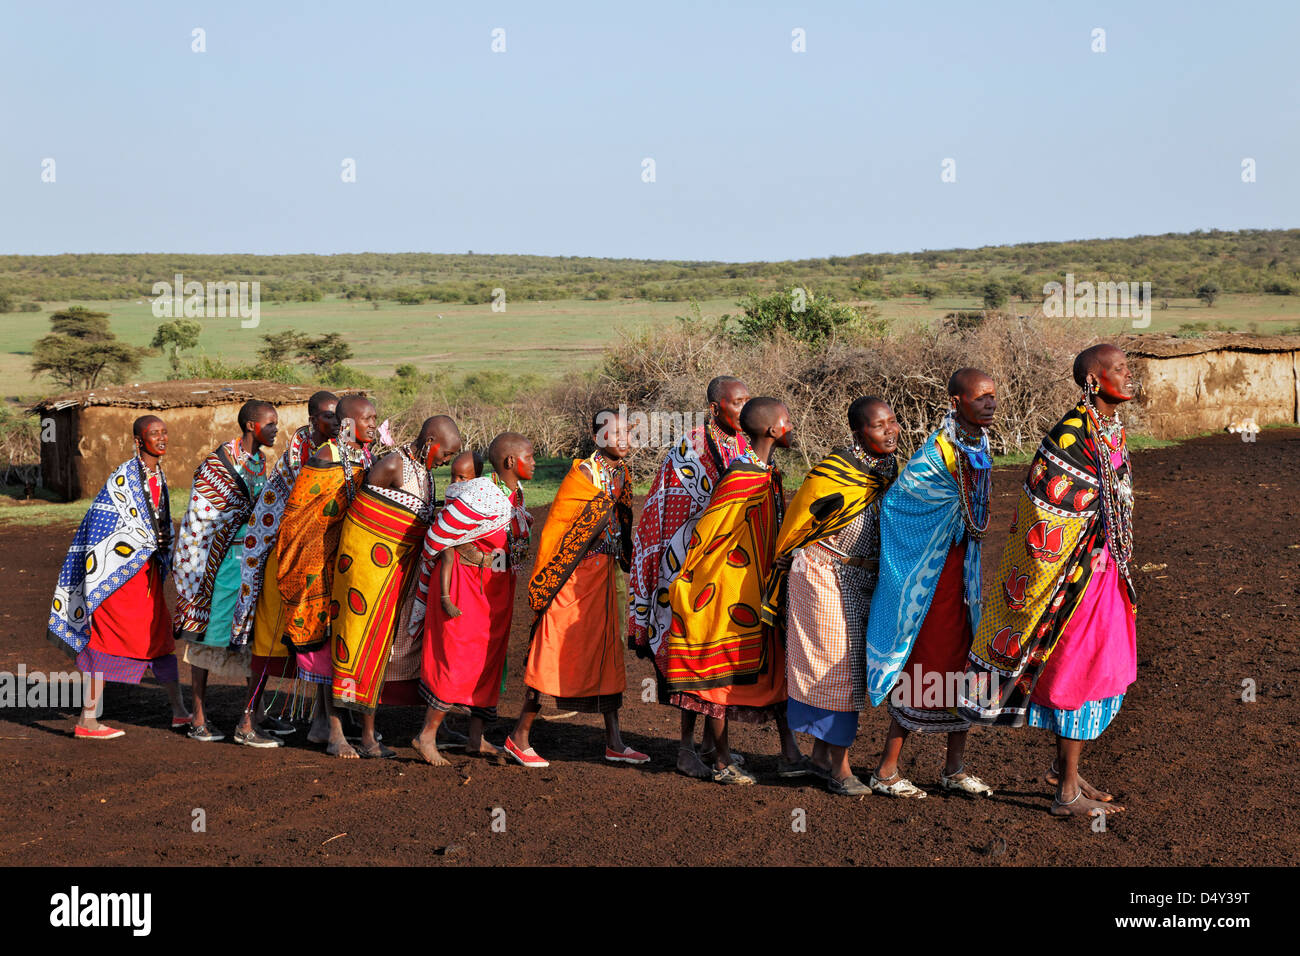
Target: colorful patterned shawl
474,508
114,540
220,503
920,520
679,493
1044,571
263,527
716,634
837,490
377,551
578,517
307,545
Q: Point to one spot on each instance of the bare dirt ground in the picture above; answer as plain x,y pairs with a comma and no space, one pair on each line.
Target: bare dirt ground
1206,777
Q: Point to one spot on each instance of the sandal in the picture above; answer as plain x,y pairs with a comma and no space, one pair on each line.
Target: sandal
204,733
251,738
708,755
901,787
277,726
803,767
379,751
732,774
967,783
850,786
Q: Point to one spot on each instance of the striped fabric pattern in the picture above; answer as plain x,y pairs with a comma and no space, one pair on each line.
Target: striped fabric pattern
127,670
1086,723
474,509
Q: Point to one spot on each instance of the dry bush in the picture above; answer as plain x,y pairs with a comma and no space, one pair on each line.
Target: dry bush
667,370
1029,357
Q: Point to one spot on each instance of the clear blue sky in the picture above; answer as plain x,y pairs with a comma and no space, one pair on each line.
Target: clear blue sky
760,152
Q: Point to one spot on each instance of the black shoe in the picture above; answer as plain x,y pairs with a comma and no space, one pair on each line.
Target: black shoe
274,725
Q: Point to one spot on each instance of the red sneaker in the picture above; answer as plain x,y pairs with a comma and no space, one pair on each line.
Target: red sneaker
526,758
627,756
103,732
181,722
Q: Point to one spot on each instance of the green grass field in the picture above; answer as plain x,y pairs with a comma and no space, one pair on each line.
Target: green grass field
549,339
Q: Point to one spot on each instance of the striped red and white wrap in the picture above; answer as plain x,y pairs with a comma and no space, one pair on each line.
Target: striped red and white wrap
474,508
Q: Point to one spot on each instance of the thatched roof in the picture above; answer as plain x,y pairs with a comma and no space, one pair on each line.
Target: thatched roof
1164,345
185,393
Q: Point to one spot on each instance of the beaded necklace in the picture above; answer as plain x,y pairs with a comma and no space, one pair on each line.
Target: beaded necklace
883,464
726,444
350,456
145,474
602,472
162,524
974,476
1116,492
749,456
516,541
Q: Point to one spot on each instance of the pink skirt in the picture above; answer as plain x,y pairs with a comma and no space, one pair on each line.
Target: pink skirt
1096,655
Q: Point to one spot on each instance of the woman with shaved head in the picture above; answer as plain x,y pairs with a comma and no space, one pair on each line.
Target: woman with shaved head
1057,647
927,602
108,609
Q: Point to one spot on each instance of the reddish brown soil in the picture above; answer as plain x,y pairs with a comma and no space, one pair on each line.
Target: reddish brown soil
1206,778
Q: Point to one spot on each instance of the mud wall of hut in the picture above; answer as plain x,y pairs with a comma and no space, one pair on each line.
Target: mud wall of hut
102,437
1189,394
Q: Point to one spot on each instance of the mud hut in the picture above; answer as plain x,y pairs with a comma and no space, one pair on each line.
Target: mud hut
1194,385
85,435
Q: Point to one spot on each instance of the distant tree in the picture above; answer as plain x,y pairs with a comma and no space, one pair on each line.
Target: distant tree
6,303
1021,288
995,295
929,293
1208,292
324,351
81,349
174,337
280,345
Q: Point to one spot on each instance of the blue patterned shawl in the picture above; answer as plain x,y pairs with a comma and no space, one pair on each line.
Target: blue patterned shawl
113,542
920,520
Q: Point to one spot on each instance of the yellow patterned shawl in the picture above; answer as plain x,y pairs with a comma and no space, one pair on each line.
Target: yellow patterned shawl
834,493
716,635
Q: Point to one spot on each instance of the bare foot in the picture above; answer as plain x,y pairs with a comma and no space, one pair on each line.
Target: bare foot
1081,806
690,764
341,748
319,733
1092,793
429,752
484,749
